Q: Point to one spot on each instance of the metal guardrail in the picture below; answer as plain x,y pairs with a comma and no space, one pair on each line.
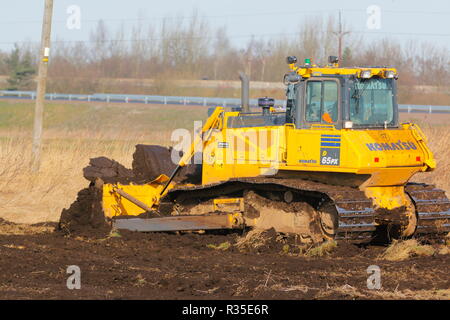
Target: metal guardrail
198,101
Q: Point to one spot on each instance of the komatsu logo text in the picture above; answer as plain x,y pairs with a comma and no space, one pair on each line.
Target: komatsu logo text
399,145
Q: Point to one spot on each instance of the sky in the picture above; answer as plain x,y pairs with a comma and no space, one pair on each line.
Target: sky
21,20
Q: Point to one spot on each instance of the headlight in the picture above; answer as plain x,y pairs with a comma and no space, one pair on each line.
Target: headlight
389,74
365,74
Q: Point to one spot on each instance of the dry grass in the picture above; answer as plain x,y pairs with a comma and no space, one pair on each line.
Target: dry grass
70,139
402,250
222,246
439,143
257,239
254,239
7,228
27,197
444,250
347,291
322,250
350,292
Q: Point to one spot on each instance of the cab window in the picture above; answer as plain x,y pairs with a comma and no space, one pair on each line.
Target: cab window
322,101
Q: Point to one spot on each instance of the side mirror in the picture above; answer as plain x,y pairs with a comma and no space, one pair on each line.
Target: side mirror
291,77
291,59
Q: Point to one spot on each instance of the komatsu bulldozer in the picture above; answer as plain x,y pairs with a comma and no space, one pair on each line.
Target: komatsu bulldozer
333,163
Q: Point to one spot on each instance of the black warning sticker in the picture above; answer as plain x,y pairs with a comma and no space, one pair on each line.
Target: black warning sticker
330,156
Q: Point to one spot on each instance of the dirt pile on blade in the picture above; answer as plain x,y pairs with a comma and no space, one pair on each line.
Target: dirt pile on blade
108,170
85,214
149,161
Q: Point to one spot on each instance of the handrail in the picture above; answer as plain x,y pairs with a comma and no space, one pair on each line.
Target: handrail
209,124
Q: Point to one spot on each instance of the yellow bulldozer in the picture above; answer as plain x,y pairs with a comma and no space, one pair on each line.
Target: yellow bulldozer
334,163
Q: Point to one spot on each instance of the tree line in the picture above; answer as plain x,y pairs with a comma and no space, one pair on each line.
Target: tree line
193,49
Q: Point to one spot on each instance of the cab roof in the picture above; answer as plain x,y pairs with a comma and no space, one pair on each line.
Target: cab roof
313,70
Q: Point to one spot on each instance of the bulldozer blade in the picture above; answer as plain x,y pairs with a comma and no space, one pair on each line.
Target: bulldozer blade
131,199
179,223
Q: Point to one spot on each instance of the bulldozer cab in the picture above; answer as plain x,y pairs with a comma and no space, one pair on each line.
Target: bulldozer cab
341,97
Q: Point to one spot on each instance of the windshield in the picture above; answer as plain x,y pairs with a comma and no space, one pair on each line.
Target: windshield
372,102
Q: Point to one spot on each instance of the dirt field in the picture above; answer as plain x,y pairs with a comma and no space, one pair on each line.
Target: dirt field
169,266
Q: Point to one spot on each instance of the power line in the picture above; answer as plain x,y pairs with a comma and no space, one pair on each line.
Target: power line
405,12
404,33
243,15
234,37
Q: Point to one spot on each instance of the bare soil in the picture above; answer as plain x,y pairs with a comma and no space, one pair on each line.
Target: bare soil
34,260
130,265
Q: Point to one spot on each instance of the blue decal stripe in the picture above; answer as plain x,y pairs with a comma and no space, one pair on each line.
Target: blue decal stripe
330,139
329,144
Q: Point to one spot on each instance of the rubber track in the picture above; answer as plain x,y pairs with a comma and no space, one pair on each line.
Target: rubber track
432,207
355,210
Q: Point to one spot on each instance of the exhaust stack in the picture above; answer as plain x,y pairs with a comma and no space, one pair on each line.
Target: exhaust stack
245,88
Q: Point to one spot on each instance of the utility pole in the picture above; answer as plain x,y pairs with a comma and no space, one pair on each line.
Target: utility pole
340,35
41,85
